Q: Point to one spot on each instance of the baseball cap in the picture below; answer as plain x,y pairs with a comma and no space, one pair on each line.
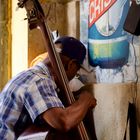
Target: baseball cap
72,48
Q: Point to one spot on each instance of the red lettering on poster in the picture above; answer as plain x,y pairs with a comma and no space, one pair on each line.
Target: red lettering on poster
97,8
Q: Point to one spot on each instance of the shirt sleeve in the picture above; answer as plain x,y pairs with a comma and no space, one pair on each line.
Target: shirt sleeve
41,96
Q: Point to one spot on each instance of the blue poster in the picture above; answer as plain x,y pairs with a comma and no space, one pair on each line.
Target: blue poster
107,41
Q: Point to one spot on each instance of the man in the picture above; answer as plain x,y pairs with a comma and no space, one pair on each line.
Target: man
35,91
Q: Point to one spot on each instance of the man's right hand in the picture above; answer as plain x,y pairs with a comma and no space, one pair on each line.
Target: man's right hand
87,97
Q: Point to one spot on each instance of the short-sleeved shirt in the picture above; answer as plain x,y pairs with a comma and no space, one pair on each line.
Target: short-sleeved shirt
34,89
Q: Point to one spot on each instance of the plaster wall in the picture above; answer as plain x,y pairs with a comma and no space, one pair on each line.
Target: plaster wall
19,47
110,114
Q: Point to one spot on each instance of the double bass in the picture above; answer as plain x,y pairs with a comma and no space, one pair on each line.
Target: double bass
36,19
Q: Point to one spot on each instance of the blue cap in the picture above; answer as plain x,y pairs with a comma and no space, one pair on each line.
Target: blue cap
72,48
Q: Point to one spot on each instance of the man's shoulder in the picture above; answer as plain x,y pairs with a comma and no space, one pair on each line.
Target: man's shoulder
22,78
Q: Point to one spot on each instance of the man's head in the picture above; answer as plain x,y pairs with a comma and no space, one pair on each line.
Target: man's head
72,53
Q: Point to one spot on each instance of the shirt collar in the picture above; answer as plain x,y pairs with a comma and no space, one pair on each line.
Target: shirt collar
41,66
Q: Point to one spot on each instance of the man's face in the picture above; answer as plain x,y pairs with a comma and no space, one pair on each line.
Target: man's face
70,65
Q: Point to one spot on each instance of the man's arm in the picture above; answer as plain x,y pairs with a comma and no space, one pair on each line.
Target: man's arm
66,118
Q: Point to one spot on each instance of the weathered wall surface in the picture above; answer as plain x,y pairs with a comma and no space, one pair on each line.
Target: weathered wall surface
5,41
110,114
